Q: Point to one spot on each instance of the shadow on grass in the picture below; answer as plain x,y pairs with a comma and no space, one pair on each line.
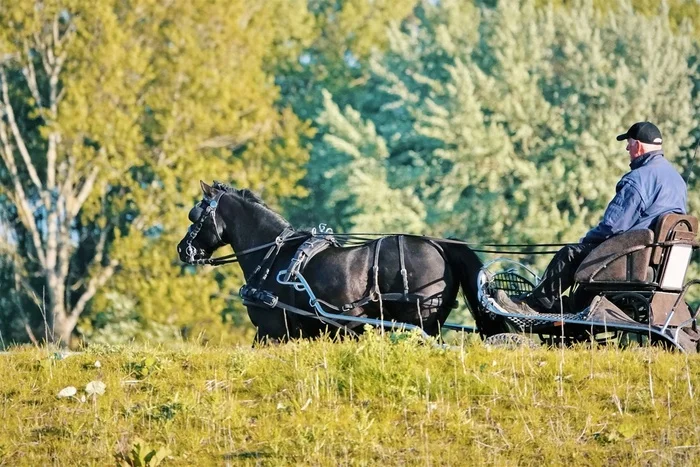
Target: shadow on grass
246,455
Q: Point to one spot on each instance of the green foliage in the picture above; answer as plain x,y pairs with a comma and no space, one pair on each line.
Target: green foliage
487,120
120,322
142,455
149,99
224,124
355,162
684,15
505,130
345,34
376,400
143,368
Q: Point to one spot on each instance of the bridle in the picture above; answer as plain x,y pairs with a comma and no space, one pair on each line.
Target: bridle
210,211
195,228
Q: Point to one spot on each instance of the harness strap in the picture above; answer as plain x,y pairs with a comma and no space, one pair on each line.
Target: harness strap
310,248
388,297
252,300
260,265
257,295
269,258
375,270
402,262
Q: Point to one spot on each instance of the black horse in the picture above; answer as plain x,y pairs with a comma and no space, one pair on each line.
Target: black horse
434,270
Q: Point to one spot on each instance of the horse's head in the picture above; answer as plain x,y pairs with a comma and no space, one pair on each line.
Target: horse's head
204,236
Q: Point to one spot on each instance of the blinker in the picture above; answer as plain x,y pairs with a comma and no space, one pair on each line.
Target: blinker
195,214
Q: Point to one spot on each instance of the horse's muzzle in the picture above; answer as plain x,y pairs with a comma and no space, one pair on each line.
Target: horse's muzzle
189,254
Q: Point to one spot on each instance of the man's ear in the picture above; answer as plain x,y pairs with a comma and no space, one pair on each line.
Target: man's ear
206,189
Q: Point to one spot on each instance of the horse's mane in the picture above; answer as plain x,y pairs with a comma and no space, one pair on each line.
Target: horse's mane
247,195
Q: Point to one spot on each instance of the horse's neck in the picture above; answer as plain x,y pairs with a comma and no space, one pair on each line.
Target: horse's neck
251,225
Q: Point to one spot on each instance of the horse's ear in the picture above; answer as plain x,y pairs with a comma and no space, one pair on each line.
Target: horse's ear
206,189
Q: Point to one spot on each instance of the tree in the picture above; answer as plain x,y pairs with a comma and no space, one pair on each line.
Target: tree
505,128
680,13
345,35
355,158
111,113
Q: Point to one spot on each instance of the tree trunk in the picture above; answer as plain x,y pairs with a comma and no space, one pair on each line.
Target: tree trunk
63,326
59,322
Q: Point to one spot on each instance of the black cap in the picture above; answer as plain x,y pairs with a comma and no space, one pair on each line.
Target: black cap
646,132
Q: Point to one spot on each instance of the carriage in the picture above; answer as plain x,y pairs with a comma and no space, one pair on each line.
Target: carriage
630,288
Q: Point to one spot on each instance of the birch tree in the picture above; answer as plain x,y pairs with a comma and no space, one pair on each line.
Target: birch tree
45,179
111,112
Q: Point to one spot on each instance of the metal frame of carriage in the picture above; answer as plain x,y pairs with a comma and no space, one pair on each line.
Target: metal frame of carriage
640,274
568,328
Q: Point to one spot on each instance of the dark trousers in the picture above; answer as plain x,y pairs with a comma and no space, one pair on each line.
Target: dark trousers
559,276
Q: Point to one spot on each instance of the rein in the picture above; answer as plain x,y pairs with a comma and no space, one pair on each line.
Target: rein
362,237
234,257
365,237
485,247
357,238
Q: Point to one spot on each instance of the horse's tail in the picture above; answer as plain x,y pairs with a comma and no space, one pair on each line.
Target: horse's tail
465,265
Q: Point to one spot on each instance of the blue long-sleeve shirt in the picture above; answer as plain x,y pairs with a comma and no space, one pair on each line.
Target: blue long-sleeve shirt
652,188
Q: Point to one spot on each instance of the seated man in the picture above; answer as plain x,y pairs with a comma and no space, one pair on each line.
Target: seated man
651,189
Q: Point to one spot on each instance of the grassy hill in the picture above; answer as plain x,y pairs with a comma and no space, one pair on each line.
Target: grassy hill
373,401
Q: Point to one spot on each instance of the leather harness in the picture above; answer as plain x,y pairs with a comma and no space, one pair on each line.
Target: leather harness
252,292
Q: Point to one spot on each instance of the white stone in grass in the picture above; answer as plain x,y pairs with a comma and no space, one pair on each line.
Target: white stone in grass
69,391
95,388
306,405
98,364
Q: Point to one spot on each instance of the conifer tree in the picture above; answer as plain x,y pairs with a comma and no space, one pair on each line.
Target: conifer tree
506,128
355,175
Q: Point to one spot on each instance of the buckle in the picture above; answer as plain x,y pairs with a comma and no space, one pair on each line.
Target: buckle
255,295
267,298
246,292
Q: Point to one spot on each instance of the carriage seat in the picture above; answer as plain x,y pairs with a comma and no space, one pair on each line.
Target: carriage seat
637,256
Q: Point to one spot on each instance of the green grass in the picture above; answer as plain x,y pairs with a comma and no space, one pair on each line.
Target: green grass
372,401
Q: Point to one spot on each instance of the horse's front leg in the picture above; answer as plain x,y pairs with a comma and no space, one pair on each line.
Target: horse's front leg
274,326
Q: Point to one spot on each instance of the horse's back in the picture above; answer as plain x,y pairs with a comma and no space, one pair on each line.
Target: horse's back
347,274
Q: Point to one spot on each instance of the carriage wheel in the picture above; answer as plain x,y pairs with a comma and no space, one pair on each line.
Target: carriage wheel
635,305
510,340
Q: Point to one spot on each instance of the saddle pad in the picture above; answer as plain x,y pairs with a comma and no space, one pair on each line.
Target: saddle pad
310,248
